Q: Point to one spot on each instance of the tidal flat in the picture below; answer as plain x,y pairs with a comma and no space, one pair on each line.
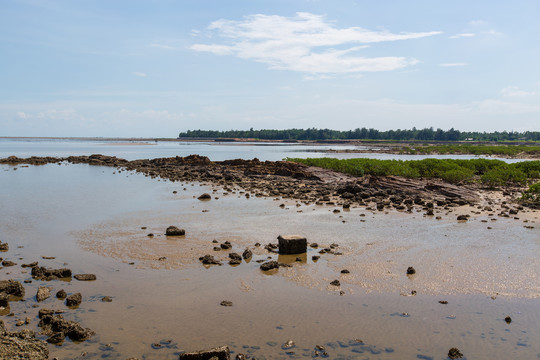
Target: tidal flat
96,219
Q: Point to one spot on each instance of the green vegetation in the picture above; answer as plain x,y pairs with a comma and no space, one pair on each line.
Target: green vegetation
427,134
506,150
532,195
487,172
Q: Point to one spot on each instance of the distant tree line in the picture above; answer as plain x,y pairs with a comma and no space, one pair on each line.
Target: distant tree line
426,134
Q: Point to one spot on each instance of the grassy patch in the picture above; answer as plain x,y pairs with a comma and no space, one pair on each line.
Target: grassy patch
487,172
464,149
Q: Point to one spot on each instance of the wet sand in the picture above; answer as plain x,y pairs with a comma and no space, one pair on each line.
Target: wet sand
95,223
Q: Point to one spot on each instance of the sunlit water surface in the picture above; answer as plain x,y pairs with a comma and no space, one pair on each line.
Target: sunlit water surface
89,218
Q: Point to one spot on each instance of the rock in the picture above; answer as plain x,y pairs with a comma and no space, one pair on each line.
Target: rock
444,302
74,299
269,265
12,287
508,319
462,218
106,299
45,312
225,246
57,338
4,246
454,353
35,263
61,294
345,271
235,256
288,345
21,345
43,293
55,324
220,353
411,270
7,263
85,277
209,260
77,333
335,283
226,303
314,245
247,254
315,257
174,231
41,273
235,262
4,300
205,196
292,244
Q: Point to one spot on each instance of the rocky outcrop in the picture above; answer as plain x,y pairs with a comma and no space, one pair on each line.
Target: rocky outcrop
21,345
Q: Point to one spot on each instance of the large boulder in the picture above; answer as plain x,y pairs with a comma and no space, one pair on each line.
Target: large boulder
220,353
292,244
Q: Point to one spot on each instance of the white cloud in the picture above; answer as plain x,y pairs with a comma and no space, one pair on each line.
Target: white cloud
305,43
514,91
141,74
453,64
462,35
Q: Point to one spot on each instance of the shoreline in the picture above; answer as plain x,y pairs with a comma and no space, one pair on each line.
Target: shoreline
301,188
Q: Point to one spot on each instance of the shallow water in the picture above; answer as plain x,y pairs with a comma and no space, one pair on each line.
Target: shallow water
215,151
90,219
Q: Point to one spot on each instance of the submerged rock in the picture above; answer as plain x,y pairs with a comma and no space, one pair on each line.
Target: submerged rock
85,277
4,246
220,353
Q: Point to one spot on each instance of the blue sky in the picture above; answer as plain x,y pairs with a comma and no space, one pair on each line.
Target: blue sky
154,68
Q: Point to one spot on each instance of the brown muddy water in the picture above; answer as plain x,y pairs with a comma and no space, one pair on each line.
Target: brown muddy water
90,219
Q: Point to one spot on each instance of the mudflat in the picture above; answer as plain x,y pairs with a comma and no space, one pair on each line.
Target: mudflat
470,274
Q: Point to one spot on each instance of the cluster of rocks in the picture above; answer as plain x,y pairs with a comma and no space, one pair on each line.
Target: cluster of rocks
289,180
21,345
57,328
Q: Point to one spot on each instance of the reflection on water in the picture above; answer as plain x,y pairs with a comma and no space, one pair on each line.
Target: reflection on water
96,220
215,151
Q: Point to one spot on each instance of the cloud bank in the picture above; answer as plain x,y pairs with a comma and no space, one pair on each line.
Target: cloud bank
305,43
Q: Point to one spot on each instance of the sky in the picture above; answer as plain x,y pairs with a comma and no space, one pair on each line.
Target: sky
155,68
